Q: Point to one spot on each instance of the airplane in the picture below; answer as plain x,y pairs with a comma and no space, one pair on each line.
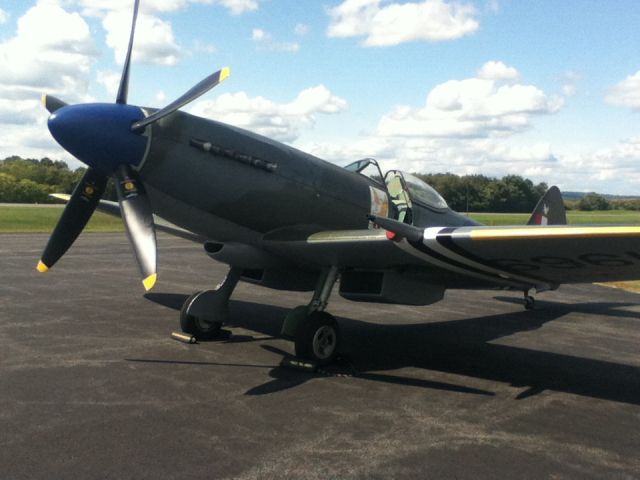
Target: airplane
287,220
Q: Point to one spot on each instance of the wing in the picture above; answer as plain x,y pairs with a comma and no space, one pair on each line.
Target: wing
344,248
517,257
376,250
113,208
539,256
551,254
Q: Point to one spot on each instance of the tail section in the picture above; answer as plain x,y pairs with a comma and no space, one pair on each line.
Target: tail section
549,210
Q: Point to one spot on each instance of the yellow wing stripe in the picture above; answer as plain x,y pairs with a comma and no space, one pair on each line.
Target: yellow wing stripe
564,232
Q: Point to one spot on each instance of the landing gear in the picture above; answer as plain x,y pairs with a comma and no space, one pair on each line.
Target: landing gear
529,301
315,332
317,339
204,313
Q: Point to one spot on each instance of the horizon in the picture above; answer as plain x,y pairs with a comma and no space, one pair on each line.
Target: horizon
548,91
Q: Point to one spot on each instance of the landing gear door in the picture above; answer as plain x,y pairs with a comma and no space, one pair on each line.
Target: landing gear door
399,196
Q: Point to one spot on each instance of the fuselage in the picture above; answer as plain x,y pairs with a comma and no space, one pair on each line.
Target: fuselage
229,184
224,196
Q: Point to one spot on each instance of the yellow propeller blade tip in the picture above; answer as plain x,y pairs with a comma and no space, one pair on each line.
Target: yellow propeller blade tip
224,73
42,268
43,99
61,196
150,281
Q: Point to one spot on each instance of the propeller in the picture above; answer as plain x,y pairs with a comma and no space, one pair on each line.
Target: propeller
200,89
52,103
83,202
123,89
109,139
138,221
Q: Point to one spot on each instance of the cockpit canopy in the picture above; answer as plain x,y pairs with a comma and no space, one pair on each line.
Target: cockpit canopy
396,182
422,192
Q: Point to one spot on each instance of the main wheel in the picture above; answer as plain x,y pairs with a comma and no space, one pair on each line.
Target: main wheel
318,338
529,302
196,326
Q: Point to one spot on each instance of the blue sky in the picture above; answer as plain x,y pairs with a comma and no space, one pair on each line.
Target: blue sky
546,89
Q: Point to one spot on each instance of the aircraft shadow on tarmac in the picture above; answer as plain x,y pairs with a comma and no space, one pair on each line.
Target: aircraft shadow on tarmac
460,347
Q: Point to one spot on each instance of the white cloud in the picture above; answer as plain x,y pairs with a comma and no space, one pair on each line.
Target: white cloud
472,126
259,35
110,80
301,29
570,80
615,169
39,60
29,141
154,42
237,7
493,6
626,93
396,23
100,7
493,70
492,157
263,39
279,121
202,47
4,16
472,108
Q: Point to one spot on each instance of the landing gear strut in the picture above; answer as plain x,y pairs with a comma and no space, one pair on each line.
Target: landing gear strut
204,313
315,332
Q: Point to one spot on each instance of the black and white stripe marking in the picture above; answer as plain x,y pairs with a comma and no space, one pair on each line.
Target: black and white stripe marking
438,248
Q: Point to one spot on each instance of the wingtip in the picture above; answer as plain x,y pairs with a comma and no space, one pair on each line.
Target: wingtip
42,268
150,281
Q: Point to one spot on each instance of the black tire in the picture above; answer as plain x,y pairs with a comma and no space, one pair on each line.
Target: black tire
318,338
529,302
191,325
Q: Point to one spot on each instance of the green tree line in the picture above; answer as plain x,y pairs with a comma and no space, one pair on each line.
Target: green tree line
31,181
479,193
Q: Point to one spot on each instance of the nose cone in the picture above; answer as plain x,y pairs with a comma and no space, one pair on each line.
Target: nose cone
99,135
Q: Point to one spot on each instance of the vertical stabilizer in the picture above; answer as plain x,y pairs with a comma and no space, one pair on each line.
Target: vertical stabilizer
549,210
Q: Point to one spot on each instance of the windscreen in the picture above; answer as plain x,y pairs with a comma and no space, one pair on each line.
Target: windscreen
423,193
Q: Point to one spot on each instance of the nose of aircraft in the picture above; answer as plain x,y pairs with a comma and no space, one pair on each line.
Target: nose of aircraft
100,135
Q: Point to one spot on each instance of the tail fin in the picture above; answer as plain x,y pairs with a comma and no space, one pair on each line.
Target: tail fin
549,210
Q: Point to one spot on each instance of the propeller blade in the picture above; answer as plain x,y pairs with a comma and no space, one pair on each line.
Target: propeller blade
52,103
123,89
138,221
200,89
75,216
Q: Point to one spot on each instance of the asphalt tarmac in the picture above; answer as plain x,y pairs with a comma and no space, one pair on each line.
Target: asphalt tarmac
92,385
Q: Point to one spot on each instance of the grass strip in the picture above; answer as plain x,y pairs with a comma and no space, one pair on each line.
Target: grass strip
41,219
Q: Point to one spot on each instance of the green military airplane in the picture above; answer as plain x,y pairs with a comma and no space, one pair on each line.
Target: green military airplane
287,220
